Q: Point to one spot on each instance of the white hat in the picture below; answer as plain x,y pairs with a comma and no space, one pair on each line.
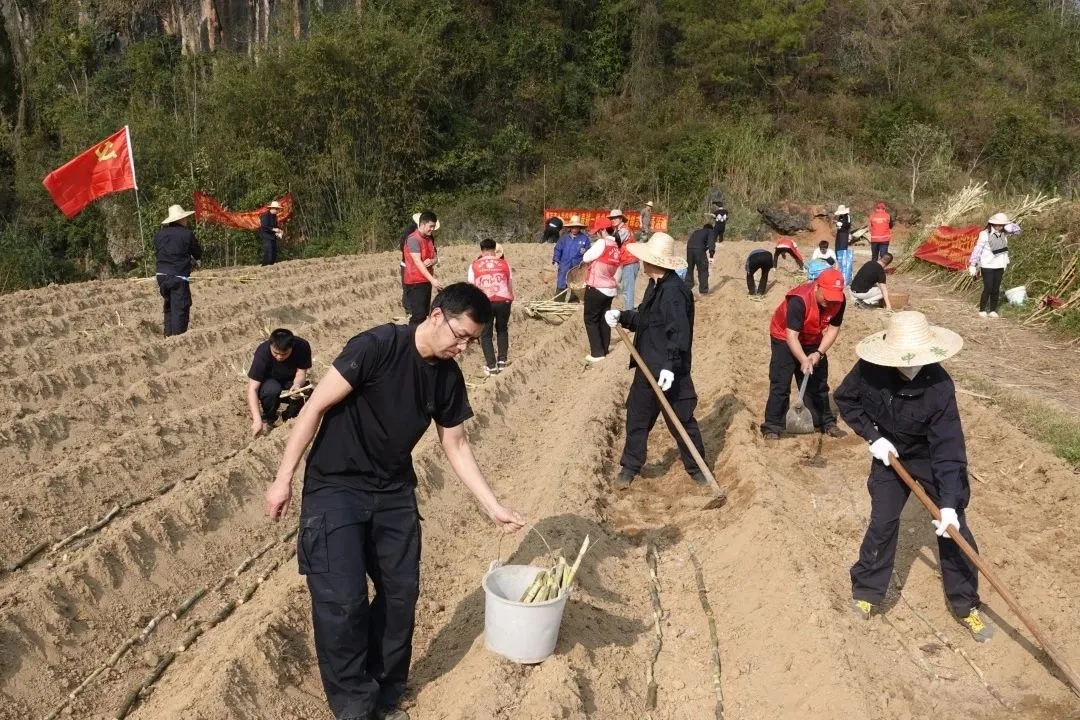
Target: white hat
274,205
648,203
177,213
998,219
616,213
909,340
659,251
416,220
842,210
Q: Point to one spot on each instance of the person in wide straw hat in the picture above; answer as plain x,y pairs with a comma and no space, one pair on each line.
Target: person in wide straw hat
664,332
567,254
901,400
270,232
176,251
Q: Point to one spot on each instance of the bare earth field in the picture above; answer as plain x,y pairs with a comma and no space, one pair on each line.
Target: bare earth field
105,419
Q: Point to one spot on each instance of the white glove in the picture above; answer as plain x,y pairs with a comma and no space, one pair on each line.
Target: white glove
666,378
972,271
881,448
948,517
611,317
839,225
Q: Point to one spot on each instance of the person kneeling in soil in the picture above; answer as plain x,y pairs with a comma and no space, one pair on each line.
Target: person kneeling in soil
491,273
280,363
900,400
868,287
663,327
359,515
804,326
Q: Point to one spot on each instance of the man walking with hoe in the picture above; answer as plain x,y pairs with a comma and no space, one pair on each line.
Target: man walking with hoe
418,277
664,335
803,328
280,363
176,251
900,400
359,517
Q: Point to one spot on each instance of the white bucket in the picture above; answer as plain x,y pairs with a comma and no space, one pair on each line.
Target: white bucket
524,633
1016,295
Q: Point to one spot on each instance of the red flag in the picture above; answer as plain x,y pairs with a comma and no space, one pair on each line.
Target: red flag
209,210
103,169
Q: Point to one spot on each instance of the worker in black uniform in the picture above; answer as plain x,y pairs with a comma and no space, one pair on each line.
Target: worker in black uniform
281,362
700,249
900,400
270,232
664,335
759,260
719,221
359,516
177,251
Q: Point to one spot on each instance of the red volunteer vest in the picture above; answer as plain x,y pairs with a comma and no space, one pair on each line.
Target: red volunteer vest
625,258
786,242
602,270
815,320
880,232
492,275
413,276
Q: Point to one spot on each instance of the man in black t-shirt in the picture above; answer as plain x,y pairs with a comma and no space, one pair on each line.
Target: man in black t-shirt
868,286
359,516
280,363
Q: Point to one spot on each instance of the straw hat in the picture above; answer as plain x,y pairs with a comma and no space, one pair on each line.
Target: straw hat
909,340
648,203
616,213
177,213
998,219
842,210
658,251
575,221
275,205
416,220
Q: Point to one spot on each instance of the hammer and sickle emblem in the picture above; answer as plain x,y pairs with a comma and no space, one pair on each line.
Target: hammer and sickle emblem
105,151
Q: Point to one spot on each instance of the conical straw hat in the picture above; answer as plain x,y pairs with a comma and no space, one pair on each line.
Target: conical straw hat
659,251
909,340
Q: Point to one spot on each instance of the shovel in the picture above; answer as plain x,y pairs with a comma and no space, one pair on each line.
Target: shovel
799,420
720,497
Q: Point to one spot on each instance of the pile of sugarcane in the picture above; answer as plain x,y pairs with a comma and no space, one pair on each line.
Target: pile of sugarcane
551,583
549,310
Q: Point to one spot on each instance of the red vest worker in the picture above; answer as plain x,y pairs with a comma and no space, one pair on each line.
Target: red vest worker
881,223
803,328
418,258
600,287
491,273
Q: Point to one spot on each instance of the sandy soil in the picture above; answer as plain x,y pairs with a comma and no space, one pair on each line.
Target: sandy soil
106,414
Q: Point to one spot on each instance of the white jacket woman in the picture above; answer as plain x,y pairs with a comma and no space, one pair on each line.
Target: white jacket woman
991,256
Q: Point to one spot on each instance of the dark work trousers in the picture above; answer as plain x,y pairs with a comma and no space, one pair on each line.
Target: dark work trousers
269,252
759,262
363,648
501,312
783,367
270,399
781,252
991,277
177,295
877,249
417,302
870,575
700,260
599,332
642,409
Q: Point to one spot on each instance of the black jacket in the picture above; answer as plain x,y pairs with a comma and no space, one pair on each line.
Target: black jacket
703,239
176,246
267,224
843,232
919,418
663,325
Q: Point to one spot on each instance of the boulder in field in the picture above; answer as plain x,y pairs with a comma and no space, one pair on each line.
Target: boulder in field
789,218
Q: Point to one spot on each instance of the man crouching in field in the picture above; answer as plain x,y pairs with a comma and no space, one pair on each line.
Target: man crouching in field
358,515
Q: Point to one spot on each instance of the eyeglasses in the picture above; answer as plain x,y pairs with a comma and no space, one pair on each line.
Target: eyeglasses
462,338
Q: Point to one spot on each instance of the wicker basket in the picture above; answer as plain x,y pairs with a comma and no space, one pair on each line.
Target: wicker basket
575,280
899,300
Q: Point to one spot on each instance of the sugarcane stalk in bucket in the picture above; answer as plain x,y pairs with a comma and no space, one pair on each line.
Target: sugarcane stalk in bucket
1055,655
720,497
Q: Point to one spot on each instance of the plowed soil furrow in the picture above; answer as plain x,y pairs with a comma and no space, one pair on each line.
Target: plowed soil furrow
128,411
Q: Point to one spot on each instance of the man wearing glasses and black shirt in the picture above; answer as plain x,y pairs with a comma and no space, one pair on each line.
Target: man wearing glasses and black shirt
358,515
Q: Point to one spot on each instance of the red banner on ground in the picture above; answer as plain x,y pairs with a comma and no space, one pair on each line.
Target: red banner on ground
633,217
949,247
103,169
209,210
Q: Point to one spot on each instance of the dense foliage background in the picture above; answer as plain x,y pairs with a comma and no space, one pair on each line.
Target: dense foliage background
487,109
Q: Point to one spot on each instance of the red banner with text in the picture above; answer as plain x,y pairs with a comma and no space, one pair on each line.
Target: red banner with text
633,217
949,247
209,210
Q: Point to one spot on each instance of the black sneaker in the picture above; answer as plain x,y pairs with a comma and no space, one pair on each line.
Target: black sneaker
834,431
626,476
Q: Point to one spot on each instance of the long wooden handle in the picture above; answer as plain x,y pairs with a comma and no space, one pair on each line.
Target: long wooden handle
669,411
988,573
